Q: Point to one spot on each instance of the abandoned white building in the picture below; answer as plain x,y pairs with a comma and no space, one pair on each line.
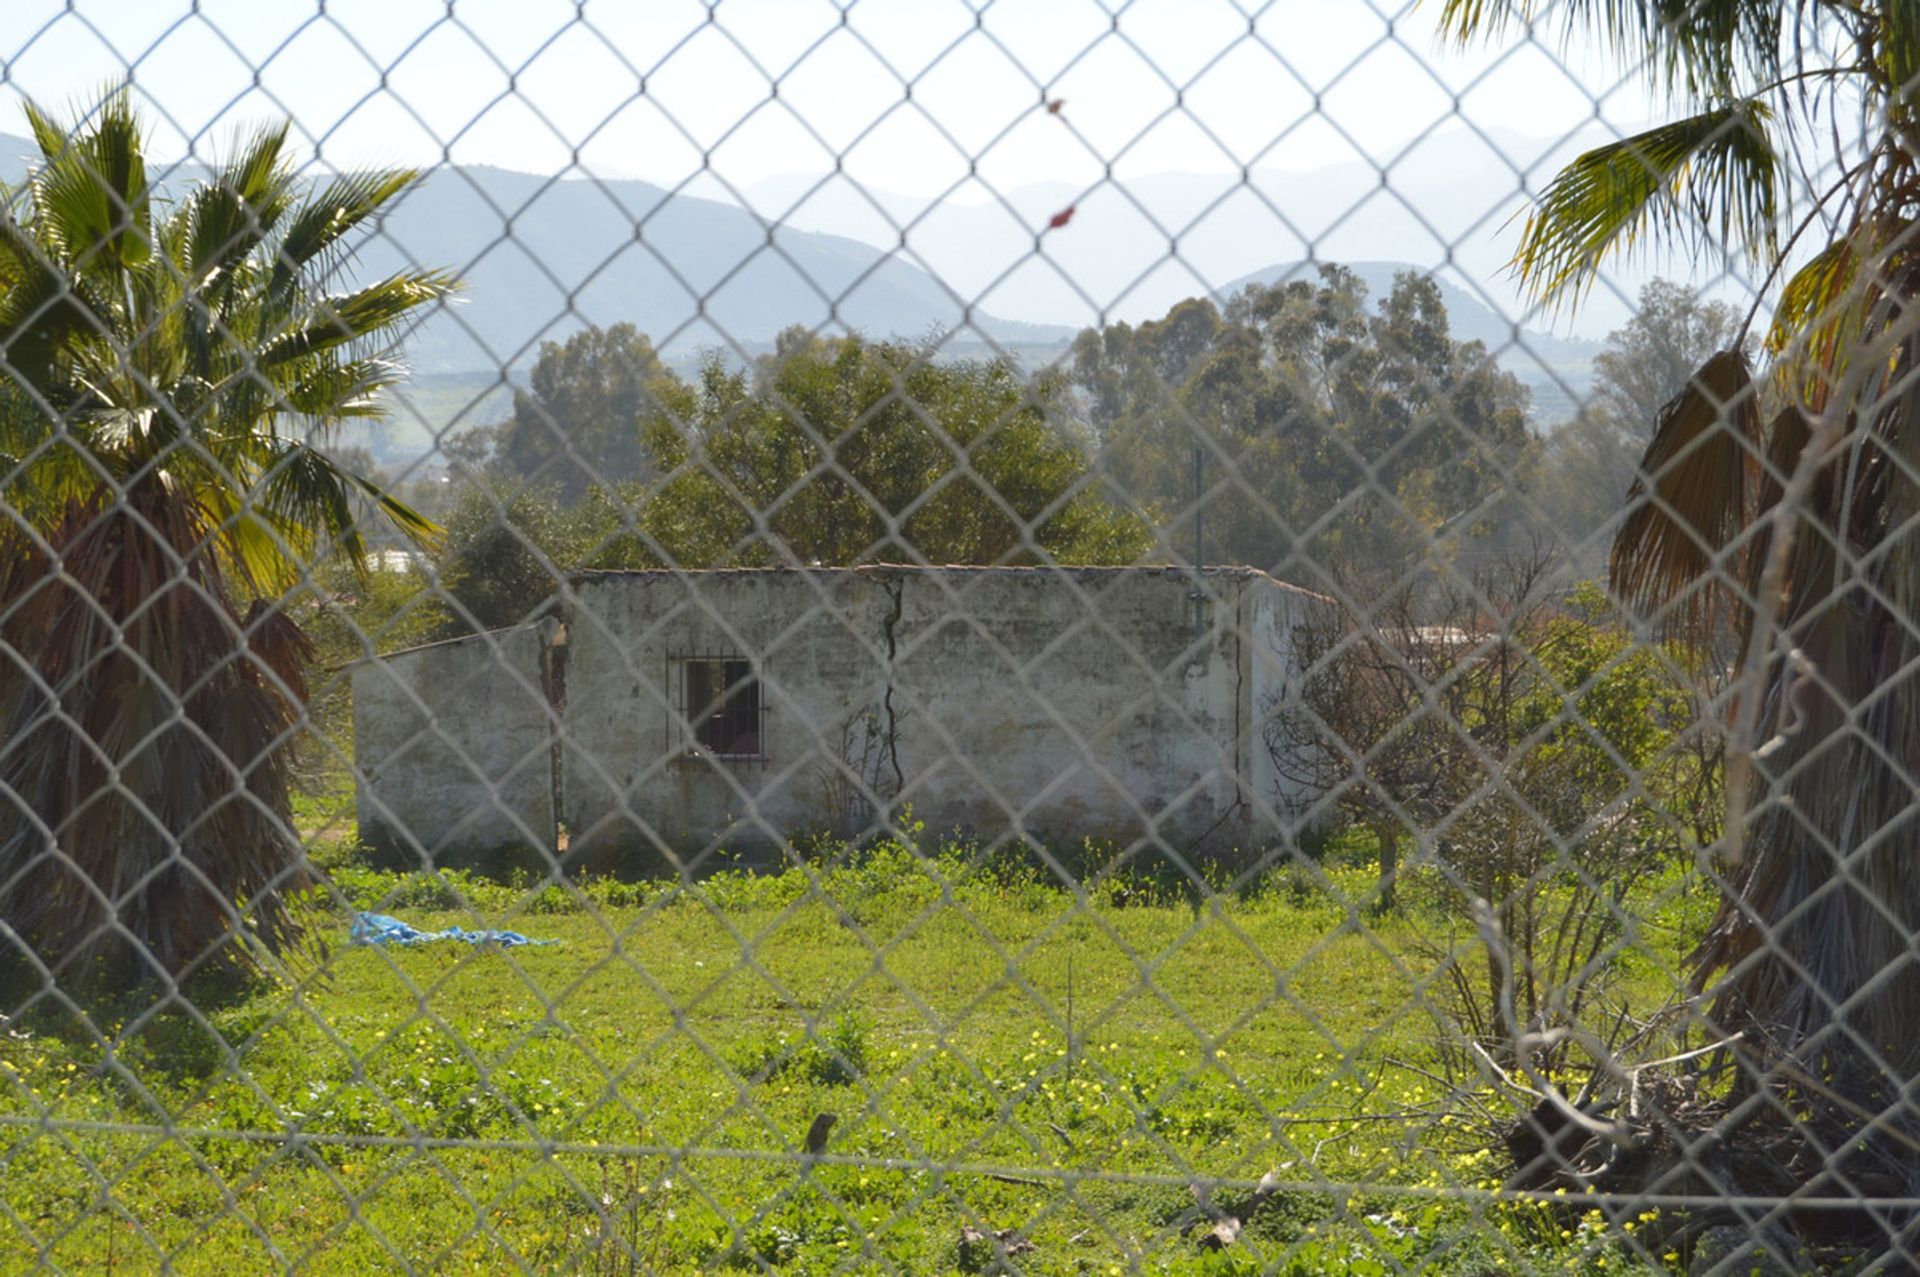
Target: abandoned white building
665,714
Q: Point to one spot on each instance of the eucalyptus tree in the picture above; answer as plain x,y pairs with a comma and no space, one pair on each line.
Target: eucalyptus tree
167,370
1330,431
1793,152
580,422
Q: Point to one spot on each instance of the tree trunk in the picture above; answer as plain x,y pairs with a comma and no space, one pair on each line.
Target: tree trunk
1388,834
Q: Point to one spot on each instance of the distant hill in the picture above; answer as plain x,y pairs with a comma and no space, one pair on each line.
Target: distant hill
542,258
1139,242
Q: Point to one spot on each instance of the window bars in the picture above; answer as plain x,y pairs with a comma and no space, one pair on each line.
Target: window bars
718,711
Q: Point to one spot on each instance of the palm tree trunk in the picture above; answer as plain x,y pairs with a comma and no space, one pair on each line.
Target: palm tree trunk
147,752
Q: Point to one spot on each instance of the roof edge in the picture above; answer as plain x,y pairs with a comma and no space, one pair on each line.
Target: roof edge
1217,570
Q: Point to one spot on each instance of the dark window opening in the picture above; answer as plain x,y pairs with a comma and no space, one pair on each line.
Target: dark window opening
722,706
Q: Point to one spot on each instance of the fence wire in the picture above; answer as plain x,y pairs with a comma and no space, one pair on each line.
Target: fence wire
567,723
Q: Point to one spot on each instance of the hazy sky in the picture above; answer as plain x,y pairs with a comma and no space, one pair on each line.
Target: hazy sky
914,97
906,94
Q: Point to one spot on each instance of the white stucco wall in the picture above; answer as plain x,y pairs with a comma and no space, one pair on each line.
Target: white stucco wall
996,702
453,747
1271,613
630,788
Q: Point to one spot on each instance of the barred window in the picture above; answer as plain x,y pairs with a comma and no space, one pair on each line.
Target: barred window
719,709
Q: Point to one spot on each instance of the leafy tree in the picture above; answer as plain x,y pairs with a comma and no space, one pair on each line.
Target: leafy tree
1650,358
1542,759
507,548
164,364
1794,528
833,451
469,452
846,451
1330,433
579,424
1593,460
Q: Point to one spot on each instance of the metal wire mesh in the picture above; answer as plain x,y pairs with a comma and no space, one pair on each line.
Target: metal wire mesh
1070,721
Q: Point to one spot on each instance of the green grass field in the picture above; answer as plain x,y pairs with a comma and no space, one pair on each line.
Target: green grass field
1000,1054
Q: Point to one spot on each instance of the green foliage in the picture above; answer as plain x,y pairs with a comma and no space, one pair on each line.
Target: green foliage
1593,741
1697,46
1650,358
507,549
837,452
1332,435
642,1089
834,1054
850,451
1549,760
1812,783
578,424
170,371
1721,166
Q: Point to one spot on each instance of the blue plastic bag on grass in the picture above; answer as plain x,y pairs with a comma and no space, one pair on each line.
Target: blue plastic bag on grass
378,928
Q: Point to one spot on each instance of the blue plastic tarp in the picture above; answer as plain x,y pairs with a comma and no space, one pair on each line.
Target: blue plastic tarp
378,928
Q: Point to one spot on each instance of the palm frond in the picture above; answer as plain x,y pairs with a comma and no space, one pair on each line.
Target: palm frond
260,551
372,311
228,218
1712,178
334,390
1699,46
304,488
1824,312
412,524
1899,50
43,312
330,214
91,199
1692,499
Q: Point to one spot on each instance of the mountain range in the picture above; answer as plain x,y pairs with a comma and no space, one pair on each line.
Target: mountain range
708,267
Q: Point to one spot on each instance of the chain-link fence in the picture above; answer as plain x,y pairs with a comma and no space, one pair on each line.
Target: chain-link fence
919,638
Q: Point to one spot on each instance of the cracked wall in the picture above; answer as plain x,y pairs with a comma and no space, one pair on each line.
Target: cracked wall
1055,704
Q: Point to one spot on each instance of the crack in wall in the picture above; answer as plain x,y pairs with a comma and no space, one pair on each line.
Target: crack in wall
896,588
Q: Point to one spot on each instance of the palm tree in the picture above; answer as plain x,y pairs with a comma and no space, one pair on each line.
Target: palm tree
168,366
1795,530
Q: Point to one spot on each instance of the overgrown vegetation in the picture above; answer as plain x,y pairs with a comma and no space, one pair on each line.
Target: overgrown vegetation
1775,511
1541,758
644,1091
1012,1064
1333,433
834,451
